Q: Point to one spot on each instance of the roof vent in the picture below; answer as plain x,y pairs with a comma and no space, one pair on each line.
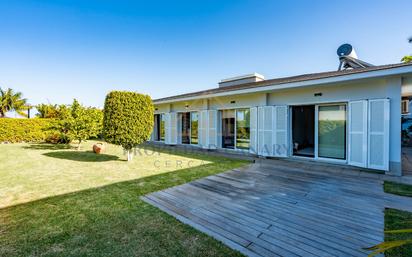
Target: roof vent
349,59
249,78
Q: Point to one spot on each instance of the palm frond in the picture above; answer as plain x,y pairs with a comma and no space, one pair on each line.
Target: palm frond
382,247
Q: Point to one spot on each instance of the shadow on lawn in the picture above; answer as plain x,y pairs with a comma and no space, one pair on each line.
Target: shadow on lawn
45,146
82,156
114,209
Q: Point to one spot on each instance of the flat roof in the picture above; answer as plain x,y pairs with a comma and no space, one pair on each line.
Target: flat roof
283,80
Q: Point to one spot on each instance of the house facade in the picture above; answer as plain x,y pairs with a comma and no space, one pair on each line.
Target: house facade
351,116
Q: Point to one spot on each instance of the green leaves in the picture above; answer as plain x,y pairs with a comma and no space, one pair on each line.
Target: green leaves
128,118
24,130
11,101
407,58
78,122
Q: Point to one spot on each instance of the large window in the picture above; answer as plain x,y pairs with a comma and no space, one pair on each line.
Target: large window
162,126
194,128
243,129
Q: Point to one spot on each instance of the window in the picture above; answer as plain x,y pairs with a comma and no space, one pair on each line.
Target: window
162,126
243,128
194,128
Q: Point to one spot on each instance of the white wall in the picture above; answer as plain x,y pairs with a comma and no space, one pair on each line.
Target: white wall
343,92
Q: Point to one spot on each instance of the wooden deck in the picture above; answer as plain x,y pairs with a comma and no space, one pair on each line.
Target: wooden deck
284,208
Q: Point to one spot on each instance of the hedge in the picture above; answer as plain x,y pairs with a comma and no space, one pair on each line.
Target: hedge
24,130
128,118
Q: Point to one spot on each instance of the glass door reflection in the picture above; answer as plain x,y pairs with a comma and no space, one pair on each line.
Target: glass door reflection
332,131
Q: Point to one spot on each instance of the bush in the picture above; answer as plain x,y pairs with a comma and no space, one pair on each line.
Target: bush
128,119
24,130
76,122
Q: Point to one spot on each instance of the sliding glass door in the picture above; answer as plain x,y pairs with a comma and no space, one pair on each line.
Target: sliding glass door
185,126
236,129
332,131
228,129
194,128
162,126
243,129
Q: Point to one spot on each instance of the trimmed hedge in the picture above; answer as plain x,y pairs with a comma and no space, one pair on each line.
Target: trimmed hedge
24,130
128,118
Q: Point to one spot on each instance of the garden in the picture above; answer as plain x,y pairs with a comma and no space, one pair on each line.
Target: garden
59,198
71,180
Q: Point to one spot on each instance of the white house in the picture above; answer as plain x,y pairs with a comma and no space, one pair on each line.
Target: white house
350,116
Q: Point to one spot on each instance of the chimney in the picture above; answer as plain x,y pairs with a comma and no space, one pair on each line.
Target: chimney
249,78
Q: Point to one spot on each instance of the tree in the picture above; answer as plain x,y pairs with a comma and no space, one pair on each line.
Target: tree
407,58
47,110
128,119
84,123
11,101
78,123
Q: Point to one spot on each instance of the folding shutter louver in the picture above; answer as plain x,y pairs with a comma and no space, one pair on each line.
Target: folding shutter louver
358,133
173,128
253,149
378,134
203,128
212,129
281,145
167,129
265,128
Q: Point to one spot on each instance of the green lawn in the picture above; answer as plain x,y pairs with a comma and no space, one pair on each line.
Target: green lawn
397,188
397,219
56,201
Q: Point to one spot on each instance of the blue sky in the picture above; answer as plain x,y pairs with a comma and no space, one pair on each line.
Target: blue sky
54,51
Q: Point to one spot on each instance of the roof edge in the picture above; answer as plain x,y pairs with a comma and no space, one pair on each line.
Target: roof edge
294,81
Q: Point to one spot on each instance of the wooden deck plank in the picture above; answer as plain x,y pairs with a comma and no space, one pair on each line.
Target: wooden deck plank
287,209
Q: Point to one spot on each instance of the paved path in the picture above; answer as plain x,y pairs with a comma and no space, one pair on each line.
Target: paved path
284,208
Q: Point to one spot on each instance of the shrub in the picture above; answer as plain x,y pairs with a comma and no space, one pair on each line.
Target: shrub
128,119
77,123
24,130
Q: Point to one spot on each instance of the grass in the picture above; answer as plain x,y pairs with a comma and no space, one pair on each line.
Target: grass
397,188
56,201
397,219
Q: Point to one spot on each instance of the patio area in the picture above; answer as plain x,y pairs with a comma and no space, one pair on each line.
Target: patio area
285,208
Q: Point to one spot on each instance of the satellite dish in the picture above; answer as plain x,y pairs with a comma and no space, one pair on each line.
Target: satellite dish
347,50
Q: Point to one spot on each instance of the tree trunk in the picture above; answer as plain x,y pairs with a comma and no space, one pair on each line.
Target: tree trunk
129,155
78,146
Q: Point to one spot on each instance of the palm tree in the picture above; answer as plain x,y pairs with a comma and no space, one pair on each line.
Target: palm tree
11,101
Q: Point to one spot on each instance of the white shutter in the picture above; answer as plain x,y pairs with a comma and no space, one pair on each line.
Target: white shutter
358,133
265,130
280,144
253,130
203,128
167,128
378,134
173,128
212,122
